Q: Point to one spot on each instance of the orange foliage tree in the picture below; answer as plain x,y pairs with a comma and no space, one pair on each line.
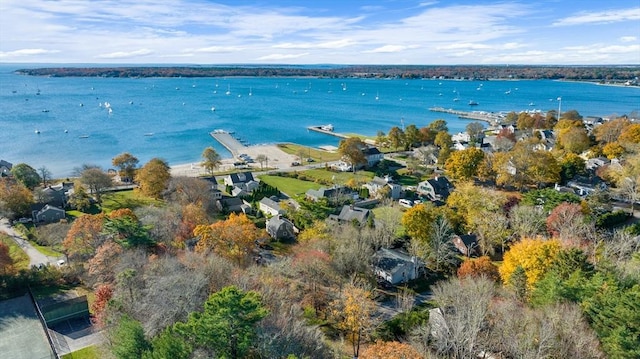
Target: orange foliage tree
102,296
6,262
84,236
534,256
390,350
232,238
193,215
353,314
101,267
479,267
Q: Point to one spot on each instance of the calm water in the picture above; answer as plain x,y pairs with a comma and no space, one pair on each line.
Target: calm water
172,117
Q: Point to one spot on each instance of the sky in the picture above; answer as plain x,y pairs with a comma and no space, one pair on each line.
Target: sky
417,32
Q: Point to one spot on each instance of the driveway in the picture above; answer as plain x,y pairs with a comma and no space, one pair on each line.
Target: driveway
35,257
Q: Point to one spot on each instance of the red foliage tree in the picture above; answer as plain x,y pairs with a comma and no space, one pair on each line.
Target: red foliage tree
103,294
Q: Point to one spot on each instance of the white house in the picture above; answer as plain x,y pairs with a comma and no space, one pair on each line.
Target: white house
270,207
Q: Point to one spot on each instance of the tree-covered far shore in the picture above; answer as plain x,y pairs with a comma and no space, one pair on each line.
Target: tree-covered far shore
478,72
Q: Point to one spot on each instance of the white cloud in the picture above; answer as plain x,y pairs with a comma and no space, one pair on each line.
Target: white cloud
390,49
321,45
217,49
281,56
628,38
125,54
603,17
26,52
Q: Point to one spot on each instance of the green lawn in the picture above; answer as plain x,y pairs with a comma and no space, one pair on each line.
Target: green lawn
125,199
290,186
20,258
317,155
47,251
84,353
338,177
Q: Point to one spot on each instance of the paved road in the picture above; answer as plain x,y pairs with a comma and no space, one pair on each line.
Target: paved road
35,257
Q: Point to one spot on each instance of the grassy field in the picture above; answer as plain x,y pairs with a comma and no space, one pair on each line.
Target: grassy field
309,152
338,177
126,199
85,353
47,251
291,186
20,258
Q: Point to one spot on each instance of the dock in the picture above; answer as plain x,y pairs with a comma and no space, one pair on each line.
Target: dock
228,141
490,117
326,132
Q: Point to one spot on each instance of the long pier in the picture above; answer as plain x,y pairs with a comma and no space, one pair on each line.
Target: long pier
326,132
227,141
490,117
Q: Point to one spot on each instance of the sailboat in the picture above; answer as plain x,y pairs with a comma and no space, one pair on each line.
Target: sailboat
228,90
377,96
250,92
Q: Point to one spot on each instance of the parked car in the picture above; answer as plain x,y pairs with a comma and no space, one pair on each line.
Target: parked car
405,202
295,163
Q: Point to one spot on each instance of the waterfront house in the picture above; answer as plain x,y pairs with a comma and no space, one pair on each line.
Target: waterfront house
5,168
270,207
437,188
280,228
48,214
377,184
352,214
395,266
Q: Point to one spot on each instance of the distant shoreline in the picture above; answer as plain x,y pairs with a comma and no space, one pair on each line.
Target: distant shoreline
455,72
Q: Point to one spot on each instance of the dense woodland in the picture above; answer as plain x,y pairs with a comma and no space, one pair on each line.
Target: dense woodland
577,73
553,274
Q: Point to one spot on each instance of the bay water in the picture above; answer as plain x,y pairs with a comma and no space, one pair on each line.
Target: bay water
64,122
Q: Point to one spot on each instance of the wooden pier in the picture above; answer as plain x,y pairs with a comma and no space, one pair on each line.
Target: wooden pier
228,141
490,117
326,132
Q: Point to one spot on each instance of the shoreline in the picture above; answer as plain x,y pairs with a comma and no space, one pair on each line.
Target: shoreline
277,159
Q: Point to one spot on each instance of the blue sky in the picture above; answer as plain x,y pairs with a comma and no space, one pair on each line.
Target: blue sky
321,31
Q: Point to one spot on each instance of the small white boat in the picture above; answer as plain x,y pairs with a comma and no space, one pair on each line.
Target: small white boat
213,108
37,132
228,90
83,136
473,103
328,127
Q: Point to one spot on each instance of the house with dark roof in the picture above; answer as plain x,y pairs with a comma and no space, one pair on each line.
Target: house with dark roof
5,168
395,266
233,204
372,155
242,180
352,214
437,188
280,228
48,214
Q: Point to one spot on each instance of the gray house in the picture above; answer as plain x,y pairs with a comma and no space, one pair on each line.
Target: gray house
48,214
437,188
351,214
396,267
279,227
5,168
270,207
378,183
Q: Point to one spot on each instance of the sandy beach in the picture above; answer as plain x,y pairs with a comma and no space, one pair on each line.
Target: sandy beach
277,159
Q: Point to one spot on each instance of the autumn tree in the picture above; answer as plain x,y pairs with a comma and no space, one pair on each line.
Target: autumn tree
610,131
226,325
352,313
418,222
123,227
79,199
411,136
463,165
190,190
613,150
390,350
479,267
84,236
15,198
526,165
154,177
232,238
630,137
97,181
210,160
568,223
527,221
396,137
26,175
573,139
571,165
103,295
444,142
351,149
6,262
127,164
534,256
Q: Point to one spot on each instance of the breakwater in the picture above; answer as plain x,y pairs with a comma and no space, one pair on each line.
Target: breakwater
228,141
492,118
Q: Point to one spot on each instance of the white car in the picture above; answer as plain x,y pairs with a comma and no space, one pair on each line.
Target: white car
61,262
405,202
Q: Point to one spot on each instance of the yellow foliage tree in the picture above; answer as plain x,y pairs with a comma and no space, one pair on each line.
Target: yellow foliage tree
613,150
232,238
154,177
390,350
631,134
418,221
318,231
463,165
534,256
352,313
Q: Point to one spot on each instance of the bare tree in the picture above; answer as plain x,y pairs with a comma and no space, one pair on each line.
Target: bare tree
262,159
527,221
96,180
442,252
45,175
464,307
